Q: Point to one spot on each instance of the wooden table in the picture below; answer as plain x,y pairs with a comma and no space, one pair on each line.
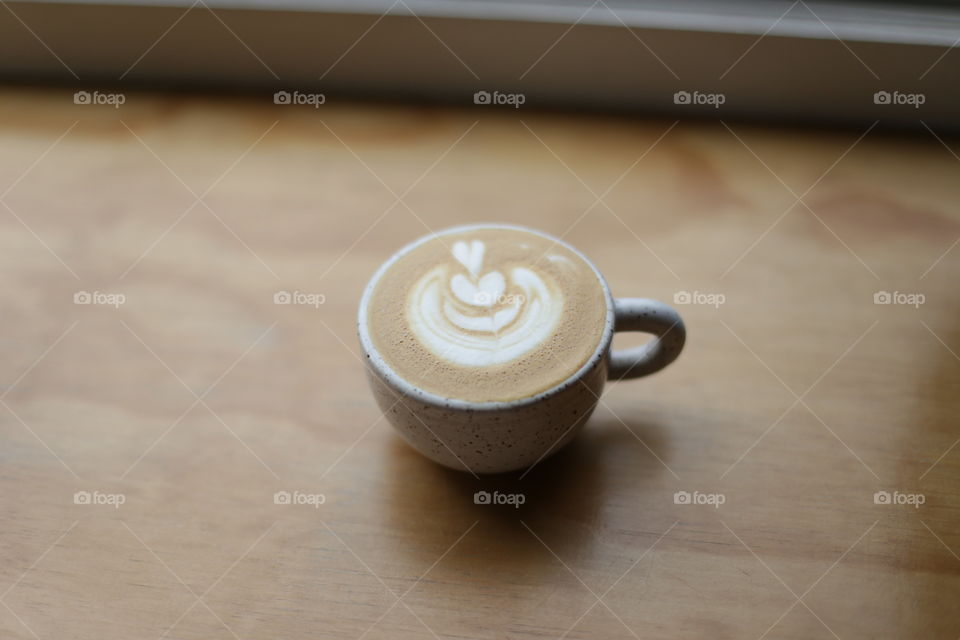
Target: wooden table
183,391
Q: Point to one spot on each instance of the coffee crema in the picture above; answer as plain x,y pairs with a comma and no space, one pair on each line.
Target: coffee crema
487,314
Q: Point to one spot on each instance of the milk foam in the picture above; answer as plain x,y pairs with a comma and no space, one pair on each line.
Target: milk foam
474,317
487,313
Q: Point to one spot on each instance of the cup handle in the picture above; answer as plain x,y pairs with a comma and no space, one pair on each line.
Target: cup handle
648,316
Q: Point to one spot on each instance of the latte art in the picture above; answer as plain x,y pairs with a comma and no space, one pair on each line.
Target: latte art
485,313
476,318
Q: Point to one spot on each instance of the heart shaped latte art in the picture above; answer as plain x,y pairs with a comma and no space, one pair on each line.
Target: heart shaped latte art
470,256
477,319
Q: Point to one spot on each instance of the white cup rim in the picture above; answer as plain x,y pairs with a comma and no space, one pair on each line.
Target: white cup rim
391,377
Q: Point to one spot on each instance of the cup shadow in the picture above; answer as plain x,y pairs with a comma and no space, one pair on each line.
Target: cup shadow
562,499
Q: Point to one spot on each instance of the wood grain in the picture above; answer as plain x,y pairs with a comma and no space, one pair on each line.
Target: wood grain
198,398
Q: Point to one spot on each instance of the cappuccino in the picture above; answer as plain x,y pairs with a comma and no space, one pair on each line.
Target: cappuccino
487,314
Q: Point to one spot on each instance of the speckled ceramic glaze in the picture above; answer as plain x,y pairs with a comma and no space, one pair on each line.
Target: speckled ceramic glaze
492,437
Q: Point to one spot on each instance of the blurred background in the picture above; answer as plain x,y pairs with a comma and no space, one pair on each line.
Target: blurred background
829,62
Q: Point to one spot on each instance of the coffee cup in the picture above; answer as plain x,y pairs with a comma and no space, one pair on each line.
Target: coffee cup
488,346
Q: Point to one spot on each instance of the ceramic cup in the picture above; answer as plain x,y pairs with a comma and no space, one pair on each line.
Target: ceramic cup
493,437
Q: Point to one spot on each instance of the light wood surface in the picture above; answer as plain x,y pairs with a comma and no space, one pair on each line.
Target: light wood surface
198,398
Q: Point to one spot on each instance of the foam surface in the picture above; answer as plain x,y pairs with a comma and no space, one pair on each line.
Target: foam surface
487,314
